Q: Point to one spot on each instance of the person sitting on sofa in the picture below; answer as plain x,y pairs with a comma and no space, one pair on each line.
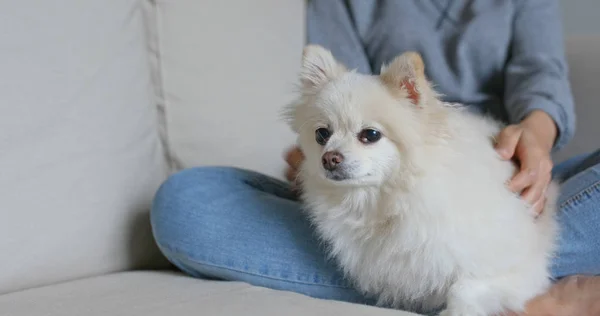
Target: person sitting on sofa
501,57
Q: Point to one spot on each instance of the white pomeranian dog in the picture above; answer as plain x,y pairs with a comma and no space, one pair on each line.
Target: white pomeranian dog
409,193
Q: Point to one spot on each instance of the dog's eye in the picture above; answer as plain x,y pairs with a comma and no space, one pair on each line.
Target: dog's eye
368,136
322,135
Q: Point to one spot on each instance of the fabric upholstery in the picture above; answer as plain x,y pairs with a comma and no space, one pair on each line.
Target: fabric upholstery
163,293
79,147
224,77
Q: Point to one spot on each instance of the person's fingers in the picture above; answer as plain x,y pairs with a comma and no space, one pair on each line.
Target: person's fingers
530,159
523,180
531,194
291,174
538,206
507,141
546,166
294,157
535,192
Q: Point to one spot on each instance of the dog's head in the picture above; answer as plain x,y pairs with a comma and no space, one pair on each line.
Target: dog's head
354,128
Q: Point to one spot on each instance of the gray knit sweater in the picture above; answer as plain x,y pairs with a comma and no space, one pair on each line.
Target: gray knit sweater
504,57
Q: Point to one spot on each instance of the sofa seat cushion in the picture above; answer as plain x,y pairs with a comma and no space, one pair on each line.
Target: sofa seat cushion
153,293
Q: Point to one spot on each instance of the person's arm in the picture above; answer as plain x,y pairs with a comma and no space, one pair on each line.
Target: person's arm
331,24
536,73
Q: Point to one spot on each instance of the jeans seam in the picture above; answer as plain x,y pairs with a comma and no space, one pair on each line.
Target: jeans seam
589,189
180,255
279,186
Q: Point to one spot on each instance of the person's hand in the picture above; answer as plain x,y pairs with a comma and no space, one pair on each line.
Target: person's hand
529,143
294,158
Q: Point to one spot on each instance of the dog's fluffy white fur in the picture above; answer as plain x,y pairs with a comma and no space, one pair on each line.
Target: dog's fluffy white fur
421,219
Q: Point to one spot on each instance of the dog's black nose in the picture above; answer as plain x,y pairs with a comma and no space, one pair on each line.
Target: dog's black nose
331,160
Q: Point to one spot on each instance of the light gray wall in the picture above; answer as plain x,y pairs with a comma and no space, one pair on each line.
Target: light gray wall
581,16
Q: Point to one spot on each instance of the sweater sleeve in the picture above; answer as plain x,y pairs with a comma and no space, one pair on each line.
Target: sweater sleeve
536,73
332,25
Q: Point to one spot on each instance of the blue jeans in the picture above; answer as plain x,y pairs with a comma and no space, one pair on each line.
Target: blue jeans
231,224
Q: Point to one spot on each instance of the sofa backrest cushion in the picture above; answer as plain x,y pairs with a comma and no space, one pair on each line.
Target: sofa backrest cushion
225,70
80,154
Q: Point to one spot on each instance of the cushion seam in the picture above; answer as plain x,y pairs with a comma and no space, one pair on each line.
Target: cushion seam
159,84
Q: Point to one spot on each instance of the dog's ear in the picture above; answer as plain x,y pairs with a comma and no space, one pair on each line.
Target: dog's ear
318,67
407,74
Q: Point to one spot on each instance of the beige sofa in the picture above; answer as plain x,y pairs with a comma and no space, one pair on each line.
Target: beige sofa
102,99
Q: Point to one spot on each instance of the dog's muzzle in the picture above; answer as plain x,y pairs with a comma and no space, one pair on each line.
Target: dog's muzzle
338,174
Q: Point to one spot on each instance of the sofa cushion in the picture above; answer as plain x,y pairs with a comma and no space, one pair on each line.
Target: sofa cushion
80,153
223,76
164,293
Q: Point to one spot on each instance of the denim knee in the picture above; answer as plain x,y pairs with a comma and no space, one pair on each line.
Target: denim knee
195,206
180,197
